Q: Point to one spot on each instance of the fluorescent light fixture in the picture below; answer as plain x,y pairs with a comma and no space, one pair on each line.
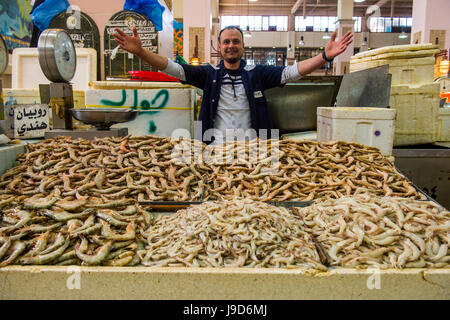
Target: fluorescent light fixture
253,0
402,35
357,1
326,37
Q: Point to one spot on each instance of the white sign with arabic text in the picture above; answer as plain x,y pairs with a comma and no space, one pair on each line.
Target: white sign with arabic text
31,120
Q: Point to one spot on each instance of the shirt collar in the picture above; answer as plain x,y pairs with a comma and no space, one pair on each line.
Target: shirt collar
221,65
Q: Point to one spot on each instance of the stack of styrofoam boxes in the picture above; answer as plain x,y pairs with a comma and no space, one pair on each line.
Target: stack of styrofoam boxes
369,126
413,93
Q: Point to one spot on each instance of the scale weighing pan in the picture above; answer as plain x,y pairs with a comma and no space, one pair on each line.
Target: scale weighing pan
103,119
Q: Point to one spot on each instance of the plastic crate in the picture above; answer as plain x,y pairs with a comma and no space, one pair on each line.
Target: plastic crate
27,73
443,130
404,71
32,96
417,113
368,126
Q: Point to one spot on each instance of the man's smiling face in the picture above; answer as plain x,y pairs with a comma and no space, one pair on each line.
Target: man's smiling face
231,45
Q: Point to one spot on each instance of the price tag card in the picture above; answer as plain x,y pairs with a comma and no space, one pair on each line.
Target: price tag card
31,120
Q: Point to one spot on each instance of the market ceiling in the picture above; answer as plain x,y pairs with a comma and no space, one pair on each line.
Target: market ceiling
401,8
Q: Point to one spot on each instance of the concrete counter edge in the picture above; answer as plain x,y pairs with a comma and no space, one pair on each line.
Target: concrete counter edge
75,282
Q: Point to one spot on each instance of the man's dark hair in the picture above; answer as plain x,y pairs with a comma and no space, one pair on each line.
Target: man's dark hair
231,27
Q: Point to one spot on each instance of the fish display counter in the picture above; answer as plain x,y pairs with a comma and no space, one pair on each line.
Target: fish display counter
77,222
58,282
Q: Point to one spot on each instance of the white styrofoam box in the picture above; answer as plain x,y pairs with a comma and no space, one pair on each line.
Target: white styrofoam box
8,155
162,110
404,71
27,73
443,125
368,126
417,113
32,96
396,51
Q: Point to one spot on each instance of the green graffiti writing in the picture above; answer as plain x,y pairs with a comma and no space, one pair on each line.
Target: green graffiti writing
114,103
151,127
162,96
136,98
144,104
162,93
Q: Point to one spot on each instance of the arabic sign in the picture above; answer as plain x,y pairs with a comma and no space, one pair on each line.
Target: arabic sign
124,62
30,120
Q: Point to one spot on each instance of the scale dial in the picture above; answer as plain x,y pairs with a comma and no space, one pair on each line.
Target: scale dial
3,55
57,56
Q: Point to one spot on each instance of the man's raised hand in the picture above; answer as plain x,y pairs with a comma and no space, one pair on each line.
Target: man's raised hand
128,43
334,48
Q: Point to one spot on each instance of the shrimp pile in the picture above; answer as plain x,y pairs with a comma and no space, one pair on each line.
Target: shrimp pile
72,201
305,171
351,232
152,168
383,232
62,232
105,170
239,233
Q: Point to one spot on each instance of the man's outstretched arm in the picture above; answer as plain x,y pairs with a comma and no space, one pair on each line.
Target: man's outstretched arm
332,50
195,76
133,44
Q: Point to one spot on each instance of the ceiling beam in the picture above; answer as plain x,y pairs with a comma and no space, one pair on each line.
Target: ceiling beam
372,8
297,5
254,5
308,5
